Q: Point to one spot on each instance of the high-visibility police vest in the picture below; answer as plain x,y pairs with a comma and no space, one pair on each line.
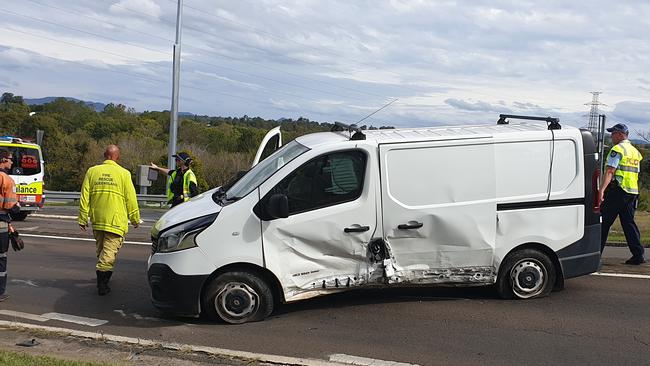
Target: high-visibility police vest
627,172
188,178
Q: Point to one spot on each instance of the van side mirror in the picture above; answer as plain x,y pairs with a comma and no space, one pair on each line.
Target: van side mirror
277,206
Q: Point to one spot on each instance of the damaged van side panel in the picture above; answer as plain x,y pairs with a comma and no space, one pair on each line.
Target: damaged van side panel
311,252
438,206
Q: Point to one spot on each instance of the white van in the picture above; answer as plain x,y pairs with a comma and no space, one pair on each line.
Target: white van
511,205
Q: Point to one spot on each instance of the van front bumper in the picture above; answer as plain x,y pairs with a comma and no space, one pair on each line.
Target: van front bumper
173,293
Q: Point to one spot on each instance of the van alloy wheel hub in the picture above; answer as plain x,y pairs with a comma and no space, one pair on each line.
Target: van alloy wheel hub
528,277
237,300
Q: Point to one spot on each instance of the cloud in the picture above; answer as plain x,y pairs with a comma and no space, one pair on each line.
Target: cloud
228,80
448,62
632,112
479,106
132,7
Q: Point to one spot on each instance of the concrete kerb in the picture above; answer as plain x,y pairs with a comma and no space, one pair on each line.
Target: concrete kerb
171,346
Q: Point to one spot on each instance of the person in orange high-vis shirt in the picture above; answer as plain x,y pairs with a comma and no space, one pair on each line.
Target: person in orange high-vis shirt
8,205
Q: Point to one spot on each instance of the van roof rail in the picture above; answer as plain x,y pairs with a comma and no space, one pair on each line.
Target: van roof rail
358,132
553,122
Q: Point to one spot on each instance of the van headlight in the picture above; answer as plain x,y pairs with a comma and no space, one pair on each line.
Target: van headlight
182,236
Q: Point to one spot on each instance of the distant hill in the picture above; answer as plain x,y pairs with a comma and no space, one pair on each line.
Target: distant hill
98,107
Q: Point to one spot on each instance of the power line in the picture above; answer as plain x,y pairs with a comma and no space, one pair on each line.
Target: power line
189,60
333,53
201,31
145,78
72,12
83,31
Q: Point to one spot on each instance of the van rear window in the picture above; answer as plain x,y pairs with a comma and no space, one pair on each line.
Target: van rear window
26,161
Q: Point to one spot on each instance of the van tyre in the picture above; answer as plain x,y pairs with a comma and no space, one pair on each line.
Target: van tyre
526,274
238,297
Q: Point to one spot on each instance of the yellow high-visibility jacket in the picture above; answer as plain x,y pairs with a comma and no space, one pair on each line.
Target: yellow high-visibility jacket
108,199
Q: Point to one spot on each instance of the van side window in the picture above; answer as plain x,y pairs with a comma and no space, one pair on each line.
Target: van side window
324,181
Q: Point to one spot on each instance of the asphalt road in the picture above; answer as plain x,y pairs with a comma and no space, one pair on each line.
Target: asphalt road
596,320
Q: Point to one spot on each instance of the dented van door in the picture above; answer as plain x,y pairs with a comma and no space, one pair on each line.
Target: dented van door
322,244
439,210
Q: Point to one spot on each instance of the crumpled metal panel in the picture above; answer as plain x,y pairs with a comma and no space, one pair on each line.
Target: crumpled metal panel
312,259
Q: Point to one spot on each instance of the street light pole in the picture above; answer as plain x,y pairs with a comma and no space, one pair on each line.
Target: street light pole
173,123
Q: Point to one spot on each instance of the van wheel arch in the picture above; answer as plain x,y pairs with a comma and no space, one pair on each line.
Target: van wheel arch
264,274
558,284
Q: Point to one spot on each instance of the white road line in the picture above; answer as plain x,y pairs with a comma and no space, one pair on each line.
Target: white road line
26,282
91,322
68,217
65,217
623,275
82,239
19,314
363,361
260,357
29,228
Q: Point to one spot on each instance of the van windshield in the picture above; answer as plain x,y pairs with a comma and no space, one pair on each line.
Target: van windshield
262,171
26,161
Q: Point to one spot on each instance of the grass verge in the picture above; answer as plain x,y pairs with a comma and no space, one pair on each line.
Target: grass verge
642,219
8,358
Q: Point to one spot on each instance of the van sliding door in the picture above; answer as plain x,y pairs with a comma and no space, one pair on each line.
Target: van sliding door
439,209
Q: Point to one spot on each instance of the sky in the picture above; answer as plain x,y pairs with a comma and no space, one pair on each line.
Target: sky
437,62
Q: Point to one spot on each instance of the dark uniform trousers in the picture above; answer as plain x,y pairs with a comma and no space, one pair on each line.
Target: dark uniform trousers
622,204
4,248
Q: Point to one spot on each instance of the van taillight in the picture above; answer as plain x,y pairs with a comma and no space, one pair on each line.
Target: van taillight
594,189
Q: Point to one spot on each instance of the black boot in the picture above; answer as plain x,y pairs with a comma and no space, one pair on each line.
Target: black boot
102,282
108,275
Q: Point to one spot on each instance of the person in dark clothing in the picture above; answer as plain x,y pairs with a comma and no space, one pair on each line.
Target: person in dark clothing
619,192
181,183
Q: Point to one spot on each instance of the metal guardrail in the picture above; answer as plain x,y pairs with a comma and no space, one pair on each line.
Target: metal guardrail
74,196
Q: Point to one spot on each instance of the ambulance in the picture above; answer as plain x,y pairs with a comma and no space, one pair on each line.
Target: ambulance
510,205
27,171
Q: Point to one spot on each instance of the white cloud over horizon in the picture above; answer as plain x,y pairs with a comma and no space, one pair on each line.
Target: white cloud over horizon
445,62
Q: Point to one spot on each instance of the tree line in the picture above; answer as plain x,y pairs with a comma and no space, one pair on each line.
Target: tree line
76,135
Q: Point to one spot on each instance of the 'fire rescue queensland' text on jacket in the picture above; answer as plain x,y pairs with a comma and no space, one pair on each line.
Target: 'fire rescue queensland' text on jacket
108,198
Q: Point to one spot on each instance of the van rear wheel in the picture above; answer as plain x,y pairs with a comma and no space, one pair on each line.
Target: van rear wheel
238,297
526,274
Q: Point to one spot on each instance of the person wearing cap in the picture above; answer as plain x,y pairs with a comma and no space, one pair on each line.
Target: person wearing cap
108,199
619,192
181,183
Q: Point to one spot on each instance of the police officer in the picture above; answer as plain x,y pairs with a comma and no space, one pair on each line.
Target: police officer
108,199
619,192
181,184
8,205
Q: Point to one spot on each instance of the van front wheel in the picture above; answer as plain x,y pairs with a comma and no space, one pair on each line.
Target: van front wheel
526,274
238,297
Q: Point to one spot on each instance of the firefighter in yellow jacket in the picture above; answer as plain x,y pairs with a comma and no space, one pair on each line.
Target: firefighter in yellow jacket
108,199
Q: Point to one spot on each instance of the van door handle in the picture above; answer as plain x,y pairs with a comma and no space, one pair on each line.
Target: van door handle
356,229
410,225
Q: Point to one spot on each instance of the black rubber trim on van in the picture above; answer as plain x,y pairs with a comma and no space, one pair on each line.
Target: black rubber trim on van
590,164
583,256
173,293
539,204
